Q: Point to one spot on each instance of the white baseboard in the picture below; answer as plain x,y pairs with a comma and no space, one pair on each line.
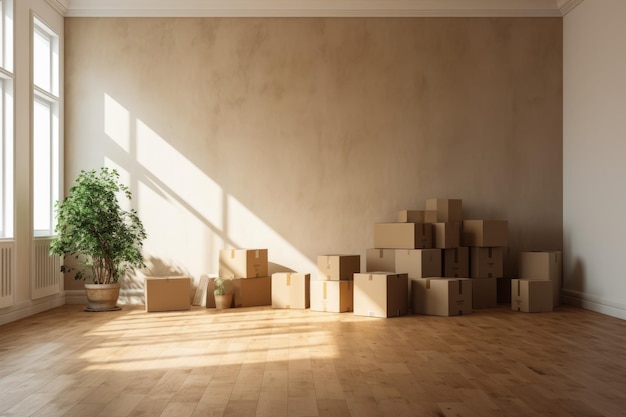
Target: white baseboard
593,303
128,296
29,308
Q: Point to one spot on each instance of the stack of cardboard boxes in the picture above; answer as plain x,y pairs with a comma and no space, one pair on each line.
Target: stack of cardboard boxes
333,289
247,271
539,285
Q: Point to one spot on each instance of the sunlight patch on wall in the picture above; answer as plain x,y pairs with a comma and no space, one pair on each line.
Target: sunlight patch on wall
117,122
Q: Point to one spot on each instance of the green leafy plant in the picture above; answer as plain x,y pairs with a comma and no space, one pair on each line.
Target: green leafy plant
220,287
91,227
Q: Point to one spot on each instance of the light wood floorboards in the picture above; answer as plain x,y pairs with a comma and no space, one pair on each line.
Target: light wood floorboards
297,363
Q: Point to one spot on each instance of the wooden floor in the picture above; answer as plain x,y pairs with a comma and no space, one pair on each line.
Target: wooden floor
264,362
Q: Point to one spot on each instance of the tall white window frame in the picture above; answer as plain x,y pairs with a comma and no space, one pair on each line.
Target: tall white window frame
45,127
7,138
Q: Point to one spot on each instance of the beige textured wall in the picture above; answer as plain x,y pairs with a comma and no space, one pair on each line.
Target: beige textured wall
297,134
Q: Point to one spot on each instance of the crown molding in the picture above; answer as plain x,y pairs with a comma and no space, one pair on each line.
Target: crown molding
313,8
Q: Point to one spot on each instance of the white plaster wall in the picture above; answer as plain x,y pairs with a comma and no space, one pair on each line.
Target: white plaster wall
594,152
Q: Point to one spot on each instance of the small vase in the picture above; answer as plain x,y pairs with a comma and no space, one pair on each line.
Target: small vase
223,301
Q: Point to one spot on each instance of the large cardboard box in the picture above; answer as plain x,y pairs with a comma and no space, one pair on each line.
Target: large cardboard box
332,296
446,235
290,290
442,296
545,266
243,263
456,262
486,262
418,263
167,293
337,267
448,210
381,294
251,292
485,233
531,296
484,293
380,260
417,216
403,235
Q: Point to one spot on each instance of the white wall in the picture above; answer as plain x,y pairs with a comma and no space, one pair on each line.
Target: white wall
594,149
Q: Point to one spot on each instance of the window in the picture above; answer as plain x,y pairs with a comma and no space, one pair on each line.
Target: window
6,119
45,129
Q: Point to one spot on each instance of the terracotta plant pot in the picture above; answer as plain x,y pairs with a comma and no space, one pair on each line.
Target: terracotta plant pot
102,297
223,301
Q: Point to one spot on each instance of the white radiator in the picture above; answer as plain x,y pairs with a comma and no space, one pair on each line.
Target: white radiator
6,274
46,270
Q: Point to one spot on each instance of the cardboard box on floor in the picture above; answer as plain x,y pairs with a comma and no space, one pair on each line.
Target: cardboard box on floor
441,296
167,293
545,266
243,263
381,294
531,296
418,263
448,210
417,216
251,292
486,262
446,235
337,267
456,262
290,290
332,296
403,235
380,260
485,233
484,293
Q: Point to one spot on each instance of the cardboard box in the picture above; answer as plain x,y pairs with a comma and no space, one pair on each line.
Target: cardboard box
381,294
403,235
486,262
418,263
484,293
417,216
446,235
504,290
485,233
332,296
531,296
442,296
448,210
290,290
251,292
167,293
338,267
456,262
543,265
243,263
380,260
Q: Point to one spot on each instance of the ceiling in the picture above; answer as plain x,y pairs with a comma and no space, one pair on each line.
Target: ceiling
305,8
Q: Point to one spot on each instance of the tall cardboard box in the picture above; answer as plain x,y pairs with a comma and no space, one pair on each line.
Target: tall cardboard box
484,293
167,293
485,233
448,210
290,290
338,267
531,296
332,296
545,266
251,292
446,235
486,262
442,296
417,216
380,260
381,294
403,235
243,263
418,263
456,262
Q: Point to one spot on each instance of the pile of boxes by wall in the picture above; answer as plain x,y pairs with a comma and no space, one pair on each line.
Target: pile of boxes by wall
538,288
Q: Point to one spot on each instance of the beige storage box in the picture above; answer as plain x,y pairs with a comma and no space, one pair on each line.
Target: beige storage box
441,296
337,267
243,263
381,294
167,293
290,290
332,296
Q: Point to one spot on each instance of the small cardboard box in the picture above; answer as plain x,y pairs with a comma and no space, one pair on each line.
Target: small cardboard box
484,293
332,296
381,294
251,292
380,260
167,293
485,233
446,235
243,263
403,235
545,266
448,210
486,262
442,296
337,267
531,296
417,216
456,262
418,263
290,290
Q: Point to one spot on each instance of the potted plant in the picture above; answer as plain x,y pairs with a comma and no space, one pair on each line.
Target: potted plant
103,240
223,298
